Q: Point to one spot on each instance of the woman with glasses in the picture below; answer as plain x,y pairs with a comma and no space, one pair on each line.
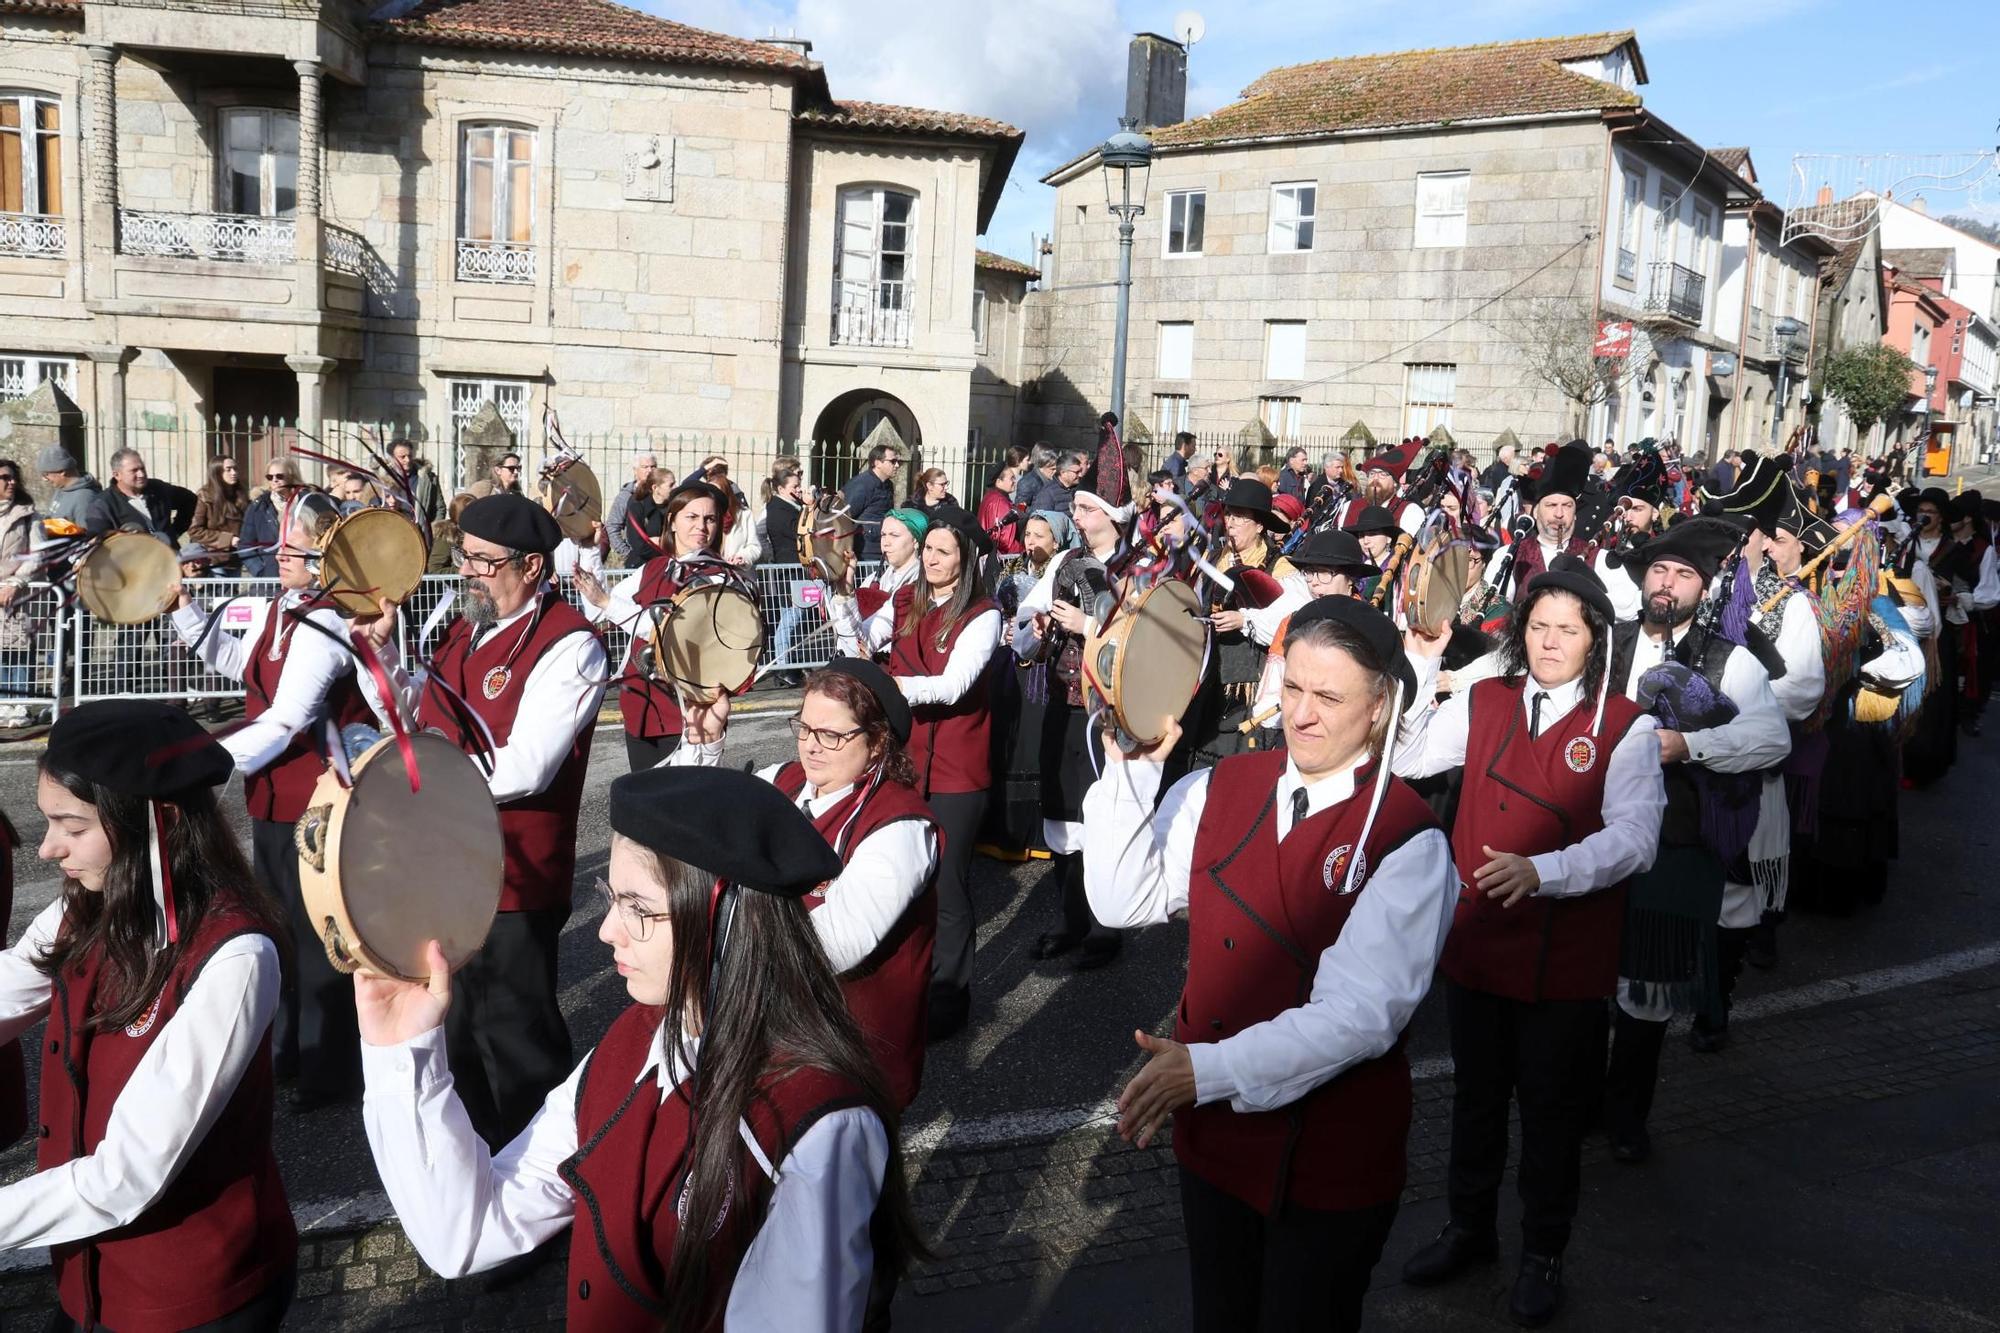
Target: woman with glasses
257,539
17,644
768,1191
219,511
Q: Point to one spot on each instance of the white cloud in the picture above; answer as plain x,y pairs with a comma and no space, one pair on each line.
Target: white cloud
1711,18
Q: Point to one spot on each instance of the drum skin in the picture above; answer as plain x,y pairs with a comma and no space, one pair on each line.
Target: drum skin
1147,661
574,499
713,638
382,869
129,578
370,555
1438,578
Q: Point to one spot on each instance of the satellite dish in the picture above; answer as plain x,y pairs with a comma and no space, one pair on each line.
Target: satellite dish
1189,27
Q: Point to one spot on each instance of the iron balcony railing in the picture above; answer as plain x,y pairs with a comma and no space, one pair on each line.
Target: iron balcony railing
237,238
1677,292
879,317
495,261
33,235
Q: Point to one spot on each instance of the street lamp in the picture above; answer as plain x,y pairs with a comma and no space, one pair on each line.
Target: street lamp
1123,154
1783,329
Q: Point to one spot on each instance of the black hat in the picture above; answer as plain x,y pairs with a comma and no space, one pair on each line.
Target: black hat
1374,520
1935,495
512,521
1376,629
1578,579
1253,496
137,747
1702,544
734,825
1332,548
1566,472
1760,496
1964,507
883,686
1643,477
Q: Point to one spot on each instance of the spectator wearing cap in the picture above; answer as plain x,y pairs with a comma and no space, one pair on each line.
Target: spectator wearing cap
74,495
1285,1076
529,667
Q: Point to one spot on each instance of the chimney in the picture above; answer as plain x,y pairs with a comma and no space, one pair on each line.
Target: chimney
791,41
1155,82
1825,196
1920,205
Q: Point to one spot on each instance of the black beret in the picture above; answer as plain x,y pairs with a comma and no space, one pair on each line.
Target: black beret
1373,521
733,825
883,686
1568,574
1565,473
137,747
1331,548
512,521
1935,495
1702,544
1375,629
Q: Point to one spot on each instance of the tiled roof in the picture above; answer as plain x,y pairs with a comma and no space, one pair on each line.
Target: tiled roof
986,259
74,7
906,120
1732,159
1407,88
1922,263
580,27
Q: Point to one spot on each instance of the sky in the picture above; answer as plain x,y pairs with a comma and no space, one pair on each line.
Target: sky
1782,77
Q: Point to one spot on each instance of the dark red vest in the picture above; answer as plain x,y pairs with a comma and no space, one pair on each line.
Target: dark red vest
13,1072
540,828
951,744
222,1233
1352,518
889,992
647,705
282,789
1529,797
1260,914
631,1166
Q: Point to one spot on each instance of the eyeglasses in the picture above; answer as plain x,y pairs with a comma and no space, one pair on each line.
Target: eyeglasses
638,921
9,478
276,476
826,740
482,565
508,467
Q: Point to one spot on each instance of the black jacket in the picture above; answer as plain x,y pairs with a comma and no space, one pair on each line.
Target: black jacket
169,510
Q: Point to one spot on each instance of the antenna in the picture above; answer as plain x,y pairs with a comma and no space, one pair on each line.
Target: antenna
1189,27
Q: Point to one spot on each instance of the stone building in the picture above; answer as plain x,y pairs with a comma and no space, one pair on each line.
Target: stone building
1851,313
1000,287
328,210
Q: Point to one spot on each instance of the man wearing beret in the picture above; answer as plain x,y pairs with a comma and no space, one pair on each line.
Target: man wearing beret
1560,807
530,667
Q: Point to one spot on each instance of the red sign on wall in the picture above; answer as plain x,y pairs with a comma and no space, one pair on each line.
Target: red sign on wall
1614,339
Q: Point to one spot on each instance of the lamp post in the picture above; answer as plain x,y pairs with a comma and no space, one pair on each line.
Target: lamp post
1783,330
1123,154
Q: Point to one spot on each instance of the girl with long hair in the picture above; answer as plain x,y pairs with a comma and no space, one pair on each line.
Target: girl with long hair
219,510
157,968
18,530
728,1153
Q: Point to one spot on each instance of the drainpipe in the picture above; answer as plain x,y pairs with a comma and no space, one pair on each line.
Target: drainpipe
1751,256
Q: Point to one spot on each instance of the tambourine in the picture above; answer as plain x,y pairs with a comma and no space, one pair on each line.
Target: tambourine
1146,663
707,637
383,869
370,556
830,551
129,578
571,494
1435,589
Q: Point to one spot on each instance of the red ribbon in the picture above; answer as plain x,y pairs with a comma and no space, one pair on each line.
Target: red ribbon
373,662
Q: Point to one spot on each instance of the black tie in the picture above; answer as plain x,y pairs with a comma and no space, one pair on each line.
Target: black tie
1535,713
1298,807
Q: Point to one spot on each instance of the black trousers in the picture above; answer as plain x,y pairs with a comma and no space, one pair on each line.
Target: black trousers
1077,920
1304,1268
648,751
1549,1057
958,815
263,1313
1634,1071
504,1034
316,1033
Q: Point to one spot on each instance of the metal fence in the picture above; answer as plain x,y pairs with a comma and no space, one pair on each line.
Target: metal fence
32,643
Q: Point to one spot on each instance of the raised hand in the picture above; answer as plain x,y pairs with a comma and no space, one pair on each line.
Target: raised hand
392,1011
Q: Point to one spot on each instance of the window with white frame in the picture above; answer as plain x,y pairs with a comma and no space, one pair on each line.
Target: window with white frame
1293,207
30,154
1704,232
871,270
1920,346
496,213
1280,416
1176,350
21,373
1284,349
1430,389
979,316
1629,209
510,397
1187,210
1441,197
260,162
1170,415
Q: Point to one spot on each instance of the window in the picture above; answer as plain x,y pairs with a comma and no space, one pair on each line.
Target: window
1427,398
979,319
1668,210
1170,415
1186,210
496,212
509,396
872,297
30,154
21,373
1441,207
972,437
1284,349
1628,223
260,163
1920,346
1176,351
1704,231
1280,416
1292,208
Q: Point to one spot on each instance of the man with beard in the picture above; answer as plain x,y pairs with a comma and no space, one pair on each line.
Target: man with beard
1381,476
1712,795
1553,496
530,667
1640,487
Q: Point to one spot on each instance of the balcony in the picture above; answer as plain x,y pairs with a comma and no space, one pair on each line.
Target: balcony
32,235
495,261
873,319
227,238
1676,292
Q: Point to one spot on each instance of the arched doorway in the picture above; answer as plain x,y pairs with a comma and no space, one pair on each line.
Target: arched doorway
843,427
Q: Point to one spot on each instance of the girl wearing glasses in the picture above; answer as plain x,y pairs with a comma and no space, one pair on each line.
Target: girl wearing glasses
17,532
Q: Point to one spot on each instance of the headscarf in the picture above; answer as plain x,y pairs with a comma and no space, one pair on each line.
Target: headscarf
1061,526
914,519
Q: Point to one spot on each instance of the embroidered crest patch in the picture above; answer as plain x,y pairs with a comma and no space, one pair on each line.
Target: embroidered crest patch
143,1024
495,681
1580,754
1334,871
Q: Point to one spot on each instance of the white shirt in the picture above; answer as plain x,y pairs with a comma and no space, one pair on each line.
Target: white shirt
1627,600
178,1090
1433,740
1412,519
1799,690
962,670
845,612
1369,981
1038,601
314,664
467,1210
1262,623
558,700
570,557
1986,593
1924,620
1756,738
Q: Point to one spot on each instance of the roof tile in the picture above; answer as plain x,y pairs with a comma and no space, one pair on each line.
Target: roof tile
986,259
1929,262
906,119
580,27
74,7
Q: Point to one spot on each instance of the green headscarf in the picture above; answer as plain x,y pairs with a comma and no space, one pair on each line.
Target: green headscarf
912,519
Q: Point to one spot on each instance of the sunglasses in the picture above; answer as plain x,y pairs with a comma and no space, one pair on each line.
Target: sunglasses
510,467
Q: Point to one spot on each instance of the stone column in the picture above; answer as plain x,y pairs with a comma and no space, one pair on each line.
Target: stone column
312,372
101,155
109,401
308,213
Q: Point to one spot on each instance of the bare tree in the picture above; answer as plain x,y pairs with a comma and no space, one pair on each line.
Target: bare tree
1556,339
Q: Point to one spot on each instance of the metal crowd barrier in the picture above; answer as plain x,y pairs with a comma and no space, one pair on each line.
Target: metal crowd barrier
31,656
150,662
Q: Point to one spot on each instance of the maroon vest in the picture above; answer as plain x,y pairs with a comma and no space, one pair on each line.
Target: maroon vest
889,991
13,1072
1352,518
222,1233
539,829
1260,914
282,789
951,743
631,1167
1528,557
647,705
1529,797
